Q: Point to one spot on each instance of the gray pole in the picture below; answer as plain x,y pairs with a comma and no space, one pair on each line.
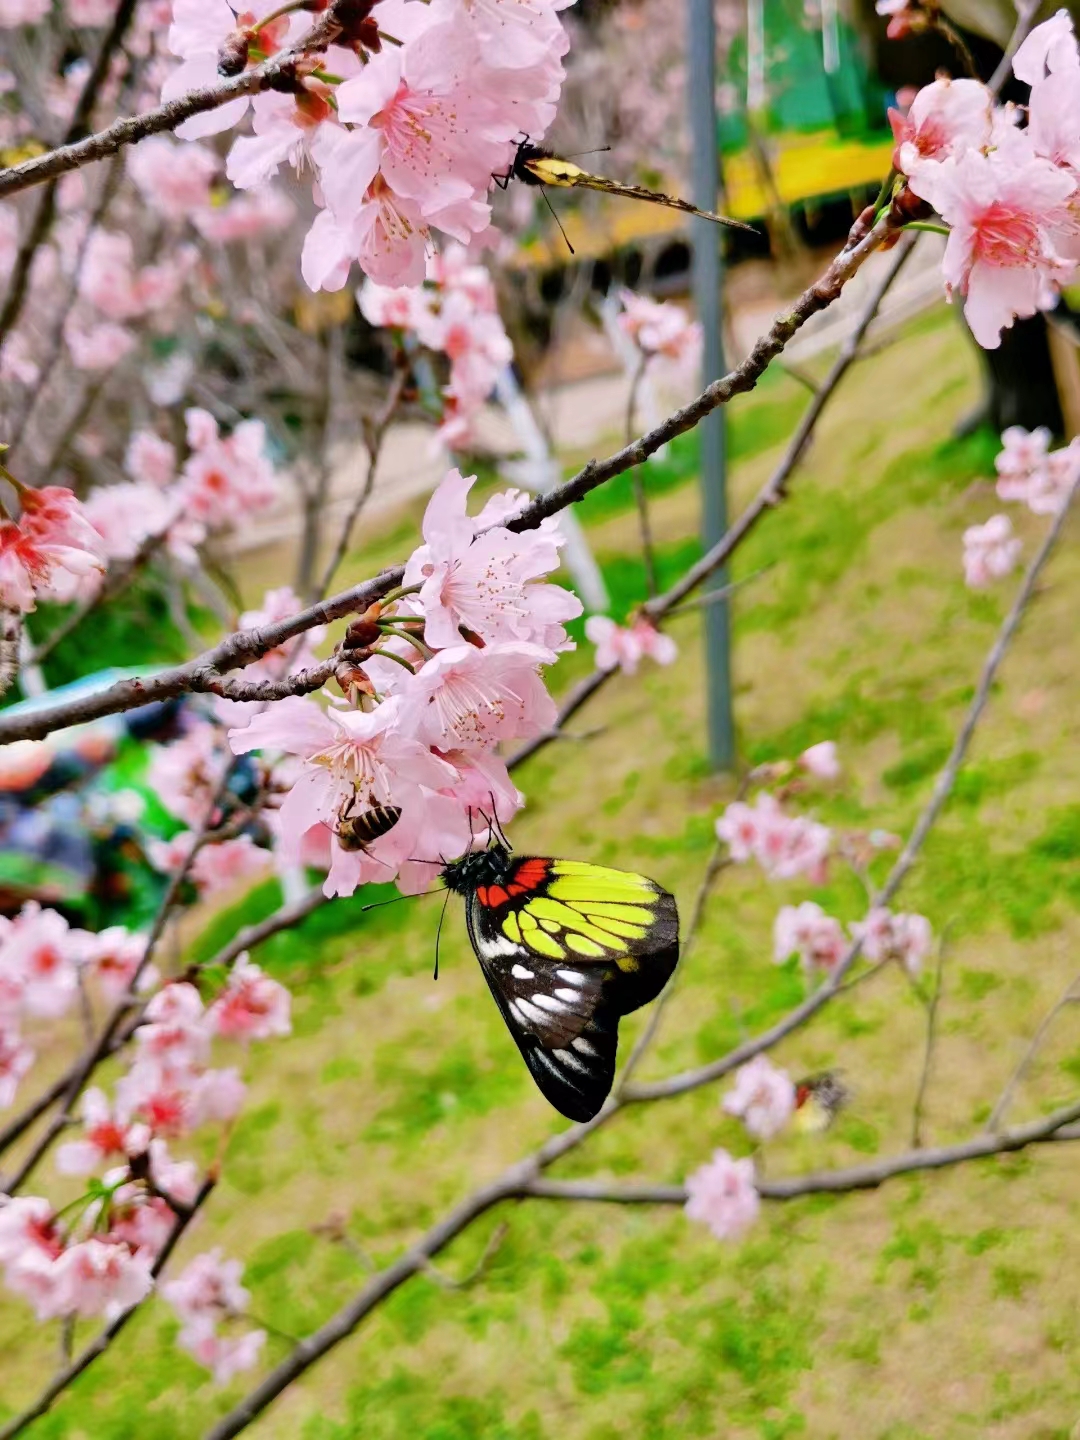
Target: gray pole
708,284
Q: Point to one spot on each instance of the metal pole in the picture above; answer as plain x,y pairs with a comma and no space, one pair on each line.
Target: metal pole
708,300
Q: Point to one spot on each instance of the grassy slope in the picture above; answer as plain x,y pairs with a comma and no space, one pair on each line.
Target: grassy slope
943,1306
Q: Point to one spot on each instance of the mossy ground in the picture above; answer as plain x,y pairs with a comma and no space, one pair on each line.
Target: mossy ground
942,1307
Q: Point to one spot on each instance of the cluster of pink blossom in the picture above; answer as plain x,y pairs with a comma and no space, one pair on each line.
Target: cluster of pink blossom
41,957
223,481
403,137
663,333
623,647
783,845
205,1295
991,551
454,669
819,941
50,552
455,314
1028,472
1008,193
96,1256
763,1098
113,292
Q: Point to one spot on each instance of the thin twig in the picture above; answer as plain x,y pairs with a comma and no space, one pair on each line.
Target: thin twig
641,500
1026,12
705,1074
928,1053
766,500
1069,996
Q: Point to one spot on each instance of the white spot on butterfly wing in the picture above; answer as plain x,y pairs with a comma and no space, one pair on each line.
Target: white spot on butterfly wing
519,972
495,946
548,1002
573,977
530,1012
570,996
571,1060
580,1043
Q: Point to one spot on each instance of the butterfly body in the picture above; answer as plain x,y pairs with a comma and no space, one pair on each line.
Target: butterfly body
567,948
534,165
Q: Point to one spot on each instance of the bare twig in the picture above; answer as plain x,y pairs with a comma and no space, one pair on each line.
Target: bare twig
928,1053
704,1074
641,500
1069,996
1026,11
770,495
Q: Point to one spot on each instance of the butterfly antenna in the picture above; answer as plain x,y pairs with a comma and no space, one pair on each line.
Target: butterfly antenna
600,150
438,932
378,904
558,222
499,831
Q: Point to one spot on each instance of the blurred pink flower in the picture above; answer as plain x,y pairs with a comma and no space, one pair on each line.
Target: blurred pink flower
16,1058
100,1277
149,459
251,1007
904,938
783,845
106,1133
805,930
22,764
22,12
763,1098
222,865
174,179
723,1196
821,760
991,551
622,647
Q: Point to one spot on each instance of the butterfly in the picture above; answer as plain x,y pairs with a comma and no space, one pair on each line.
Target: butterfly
567,948
534,165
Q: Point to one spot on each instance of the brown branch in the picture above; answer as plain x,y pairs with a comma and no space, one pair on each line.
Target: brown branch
129,130
98,1346
204,672
1056,1127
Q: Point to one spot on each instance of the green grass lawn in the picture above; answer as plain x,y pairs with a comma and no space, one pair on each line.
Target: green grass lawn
942,1306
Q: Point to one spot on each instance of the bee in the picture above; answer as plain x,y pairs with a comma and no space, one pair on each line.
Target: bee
357,829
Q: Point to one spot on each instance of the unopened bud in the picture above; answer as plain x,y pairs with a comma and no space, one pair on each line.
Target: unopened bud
362,633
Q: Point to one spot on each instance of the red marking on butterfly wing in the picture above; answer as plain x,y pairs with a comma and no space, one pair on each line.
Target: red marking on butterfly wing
496,895
482,894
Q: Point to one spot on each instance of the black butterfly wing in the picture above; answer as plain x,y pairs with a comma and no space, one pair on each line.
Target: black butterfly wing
565,954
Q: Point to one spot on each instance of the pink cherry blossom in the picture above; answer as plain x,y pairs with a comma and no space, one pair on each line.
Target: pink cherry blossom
1022,457
91,13
783,845
945,119
805,930
821,761
723,1196
221,866
199,30
207,1288
661,330
97,347
112,957
469,699
37,963
52,542
763,1098
885,936
177,1179
991,551
224,1355
100,1277
22,12
106,1133
1000,254
185,773
173,1040
486,582
226,480
174,179
1049,48
149,459
26,1223
16,1059
246,216
251,1007
622,647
